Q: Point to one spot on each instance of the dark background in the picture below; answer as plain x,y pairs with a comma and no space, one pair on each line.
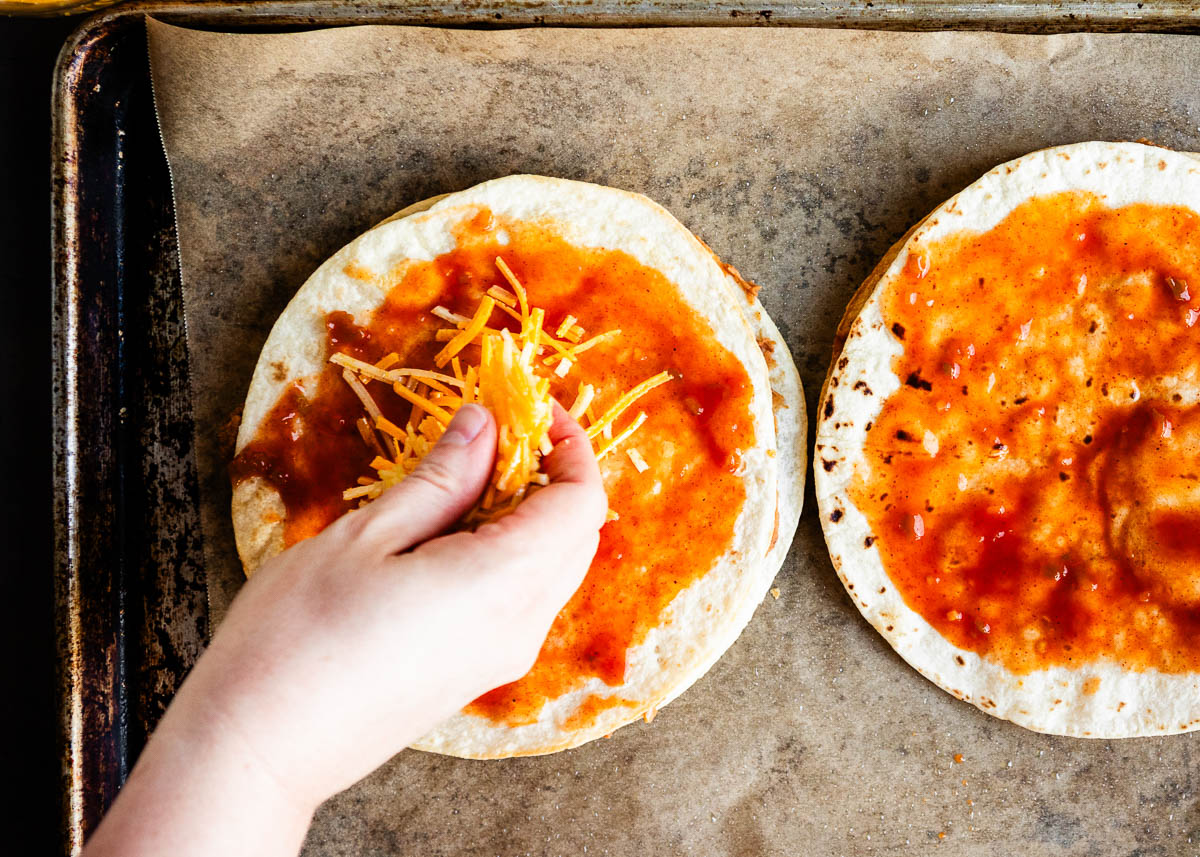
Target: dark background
28,49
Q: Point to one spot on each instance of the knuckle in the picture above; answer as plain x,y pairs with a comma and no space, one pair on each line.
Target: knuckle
437,473
495,536
369,527
351,526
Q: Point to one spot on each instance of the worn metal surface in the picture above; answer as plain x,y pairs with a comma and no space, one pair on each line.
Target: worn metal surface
131,610
130,597
1026,16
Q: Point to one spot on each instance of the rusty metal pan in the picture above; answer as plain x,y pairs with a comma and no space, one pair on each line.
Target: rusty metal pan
131,606
129,592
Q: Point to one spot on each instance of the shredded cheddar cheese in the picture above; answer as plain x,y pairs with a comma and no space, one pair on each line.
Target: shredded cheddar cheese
509,380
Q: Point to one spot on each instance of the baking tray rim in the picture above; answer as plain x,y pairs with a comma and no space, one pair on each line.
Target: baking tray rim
1038,16
68,119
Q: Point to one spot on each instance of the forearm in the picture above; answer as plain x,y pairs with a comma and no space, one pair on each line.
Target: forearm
197,791
352,644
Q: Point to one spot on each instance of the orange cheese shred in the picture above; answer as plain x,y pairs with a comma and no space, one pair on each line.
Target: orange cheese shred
622,437
420,401
565,326
463,339
504,296
388,427
611,415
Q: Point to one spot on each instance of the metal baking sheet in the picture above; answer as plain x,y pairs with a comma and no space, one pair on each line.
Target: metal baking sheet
132,613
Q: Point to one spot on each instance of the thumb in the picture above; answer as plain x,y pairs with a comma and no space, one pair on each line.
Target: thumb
444,486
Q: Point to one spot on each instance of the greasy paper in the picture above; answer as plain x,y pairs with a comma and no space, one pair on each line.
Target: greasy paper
799,156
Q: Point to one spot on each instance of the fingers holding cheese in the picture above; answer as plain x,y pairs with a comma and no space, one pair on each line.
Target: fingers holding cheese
444,486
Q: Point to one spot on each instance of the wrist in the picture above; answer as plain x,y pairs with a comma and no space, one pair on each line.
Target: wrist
197,790
210,727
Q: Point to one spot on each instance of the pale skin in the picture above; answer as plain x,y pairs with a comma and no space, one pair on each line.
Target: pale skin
347,647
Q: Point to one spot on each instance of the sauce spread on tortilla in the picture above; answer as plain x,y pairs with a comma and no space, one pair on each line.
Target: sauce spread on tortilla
676,518
1034,483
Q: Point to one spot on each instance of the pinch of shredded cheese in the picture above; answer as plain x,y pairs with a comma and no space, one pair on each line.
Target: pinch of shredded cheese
509,379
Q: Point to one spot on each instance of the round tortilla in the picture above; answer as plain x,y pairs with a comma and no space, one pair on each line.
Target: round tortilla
1099,699
704,619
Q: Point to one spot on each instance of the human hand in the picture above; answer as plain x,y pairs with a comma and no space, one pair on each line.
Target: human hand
350,645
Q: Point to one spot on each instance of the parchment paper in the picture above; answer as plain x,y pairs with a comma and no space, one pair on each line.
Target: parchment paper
800,156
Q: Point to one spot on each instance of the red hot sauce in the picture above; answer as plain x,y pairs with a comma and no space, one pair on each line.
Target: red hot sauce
1033,486
309,449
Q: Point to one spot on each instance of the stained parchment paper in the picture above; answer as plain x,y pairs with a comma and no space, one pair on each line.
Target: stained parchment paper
800,156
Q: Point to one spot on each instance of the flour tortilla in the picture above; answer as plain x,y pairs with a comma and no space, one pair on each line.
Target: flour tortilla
1116,703
704,619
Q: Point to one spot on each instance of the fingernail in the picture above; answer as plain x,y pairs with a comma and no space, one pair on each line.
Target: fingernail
466,425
